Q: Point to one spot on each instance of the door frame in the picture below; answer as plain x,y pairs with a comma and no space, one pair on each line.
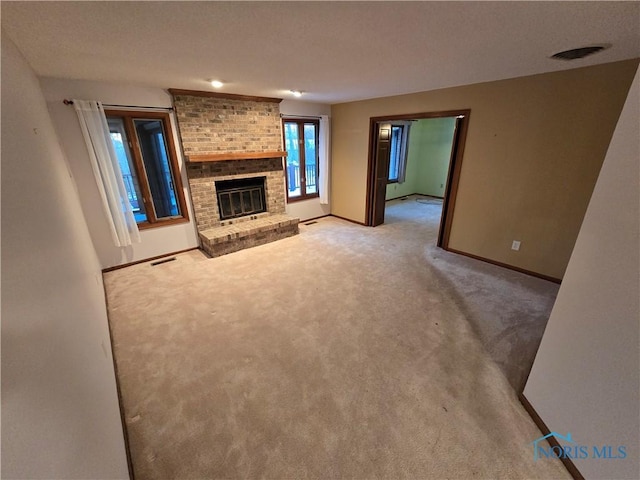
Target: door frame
453,175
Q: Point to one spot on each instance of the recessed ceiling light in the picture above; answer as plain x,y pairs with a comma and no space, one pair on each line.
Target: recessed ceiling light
576,53
216,83
296,93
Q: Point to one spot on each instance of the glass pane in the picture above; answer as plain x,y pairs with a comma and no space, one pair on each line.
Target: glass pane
293,158
158,169
396,147
225,203
246,202
125,160
236,203
310,158
257,200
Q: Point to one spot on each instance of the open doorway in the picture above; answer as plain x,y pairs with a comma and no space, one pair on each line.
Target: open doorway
388,150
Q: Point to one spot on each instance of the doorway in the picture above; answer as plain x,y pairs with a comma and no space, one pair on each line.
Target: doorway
381,151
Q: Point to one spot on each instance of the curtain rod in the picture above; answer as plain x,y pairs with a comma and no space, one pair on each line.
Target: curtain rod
70,102
299,116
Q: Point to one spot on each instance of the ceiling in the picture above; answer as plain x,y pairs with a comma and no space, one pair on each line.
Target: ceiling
333,51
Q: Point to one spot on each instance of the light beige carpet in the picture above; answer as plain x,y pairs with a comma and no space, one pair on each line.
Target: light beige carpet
339,353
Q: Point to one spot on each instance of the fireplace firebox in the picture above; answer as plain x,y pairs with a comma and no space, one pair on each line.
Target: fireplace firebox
240,197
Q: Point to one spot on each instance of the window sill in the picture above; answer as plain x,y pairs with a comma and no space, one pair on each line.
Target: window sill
162,223
299,199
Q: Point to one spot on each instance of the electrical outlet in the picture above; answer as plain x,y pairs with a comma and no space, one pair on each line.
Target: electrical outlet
515,245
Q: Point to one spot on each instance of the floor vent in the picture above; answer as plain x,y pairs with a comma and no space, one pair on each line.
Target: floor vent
310,223
164,260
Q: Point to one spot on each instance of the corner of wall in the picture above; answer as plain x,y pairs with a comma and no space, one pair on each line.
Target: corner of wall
60,412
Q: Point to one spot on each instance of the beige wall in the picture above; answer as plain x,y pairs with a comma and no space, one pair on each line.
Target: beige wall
534,150
585,376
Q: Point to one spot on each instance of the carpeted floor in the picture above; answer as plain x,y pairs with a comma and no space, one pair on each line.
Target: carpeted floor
506,309
343,352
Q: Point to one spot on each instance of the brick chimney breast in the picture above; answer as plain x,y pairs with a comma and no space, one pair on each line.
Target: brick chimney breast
229,137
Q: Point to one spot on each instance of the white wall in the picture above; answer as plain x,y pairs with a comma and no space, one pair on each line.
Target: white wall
60,416
312,208
155,241
585,379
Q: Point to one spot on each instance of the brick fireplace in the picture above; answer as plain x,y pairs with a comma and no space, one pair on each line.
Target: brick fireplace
234,138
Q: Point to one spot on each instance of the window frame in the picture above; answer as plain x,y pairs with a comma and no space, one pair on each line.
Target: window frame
303,186
401,146
128,117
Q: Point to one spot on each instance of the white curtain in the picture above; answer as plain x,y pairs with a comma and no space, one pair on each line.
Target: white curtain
404,151
323,154
106,170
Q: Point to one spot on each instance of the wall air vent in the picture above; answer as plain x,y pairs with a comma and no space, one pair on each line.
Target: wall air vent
581,52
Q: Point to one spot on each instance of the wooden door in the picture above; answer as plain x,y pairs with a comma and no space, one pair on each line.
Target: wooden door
383,154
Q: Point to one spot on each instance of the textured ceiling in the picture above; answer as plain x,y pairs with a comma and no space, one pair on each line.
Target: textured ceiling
333,51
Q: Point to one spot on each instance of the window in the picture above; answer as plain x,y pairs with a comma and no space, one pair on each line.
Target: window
143,142
301,140
395,159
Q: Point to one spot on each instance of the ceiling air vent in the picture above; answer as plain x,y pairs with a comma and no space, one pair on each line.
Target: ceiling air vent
576,53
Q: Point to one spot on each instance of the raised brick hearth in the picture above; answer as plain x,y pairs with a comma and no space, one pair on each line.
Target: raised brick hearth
258,230
226,139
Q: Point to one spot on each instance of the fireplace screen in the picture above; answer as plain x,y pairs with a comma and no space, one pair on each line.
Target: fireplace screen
237,198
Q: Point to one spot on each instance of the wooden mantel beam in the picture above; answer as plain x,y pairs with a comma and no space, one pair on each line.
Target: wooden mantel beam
228,96
221,157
